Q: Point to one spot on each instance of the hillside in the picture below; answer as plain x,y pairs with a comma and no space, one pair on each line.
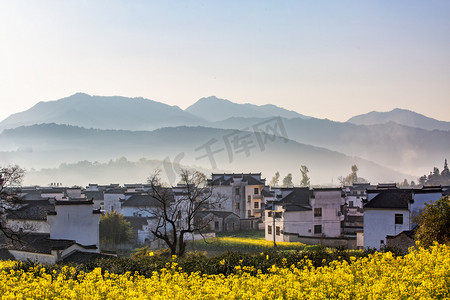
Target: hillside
400,116
103,113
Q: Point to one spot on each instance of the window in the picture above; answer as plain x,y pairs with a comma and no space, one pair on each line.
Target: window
398,218
249,212
237,191
216,225
269,229
256,205
350,203
269,214
249,198
317,229
318,212
237,206
277,230
256,191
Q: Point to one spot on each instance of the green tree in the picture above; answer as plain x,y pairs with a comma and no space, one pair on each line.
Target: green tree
115,229
275,179
305,178
434,223
287,181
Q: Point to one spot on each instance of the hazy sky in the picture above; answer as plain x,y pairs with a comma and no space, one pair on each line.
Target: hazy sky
327,59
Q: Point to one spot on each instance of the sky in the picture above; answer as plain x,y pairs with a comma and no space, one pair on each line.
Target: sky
326,59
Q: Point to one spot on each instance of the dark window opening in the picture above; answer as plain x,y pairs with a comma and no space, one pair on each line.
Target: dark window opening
317,229
318,212
398,218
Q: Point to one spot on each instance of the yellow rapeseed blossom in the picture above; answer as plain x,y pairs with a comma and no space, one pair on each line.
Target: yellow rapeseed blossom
422,274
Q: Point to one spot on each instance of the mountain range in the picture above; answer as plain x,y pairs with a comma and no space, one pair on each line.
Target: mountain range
386,146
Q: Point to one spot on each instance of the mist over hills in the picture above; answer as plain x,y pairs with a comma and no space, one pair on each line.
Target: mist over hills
412,150
138,128
400,116
47,145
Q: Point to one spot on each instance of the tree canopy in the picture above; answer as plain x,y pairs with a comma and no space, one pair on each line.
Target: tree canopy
433,223
287,181
305,178
275,179
115,229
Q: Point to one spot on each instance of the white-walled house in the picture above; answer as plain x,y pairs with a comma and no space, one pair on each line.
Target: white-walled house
390,211
241,193
305,213
112,198
75,220
52,231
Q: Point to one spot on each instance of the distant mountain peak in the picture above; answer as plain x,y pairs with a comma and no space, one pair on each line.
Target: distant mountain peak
216,109
400,116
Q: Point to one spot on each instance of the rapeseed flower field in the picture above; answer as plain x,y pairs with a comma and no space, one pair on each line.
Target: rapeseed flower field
421,274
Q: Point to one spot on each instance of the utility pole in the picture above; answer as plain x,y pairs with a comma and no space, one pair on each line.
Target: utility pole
273,228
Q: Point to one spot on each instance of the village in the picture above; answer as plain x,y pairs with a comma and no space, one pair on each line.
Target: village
61,224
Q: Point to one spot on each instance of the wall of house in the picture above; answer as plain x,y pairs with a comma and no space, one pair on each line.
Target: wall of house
378,223
223,198
134,211
250,199
360,239
75,222
231,223
330,202
33,226
34,257
298,222
112,202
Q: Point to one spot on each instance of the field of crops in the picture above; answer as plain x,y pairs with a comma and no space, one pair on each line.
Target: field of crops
422,274
248,242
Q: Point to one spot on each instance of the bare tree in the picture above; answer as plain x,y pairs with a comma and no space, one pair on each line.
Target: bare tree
10,181
177,215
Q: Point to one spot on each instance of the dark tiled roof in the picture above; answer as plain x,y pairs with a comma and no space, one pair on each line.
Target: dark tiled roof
220,214
429,189
53,191
227,179
34,195
140,201
96,195
297,200
408,233
136,222
392,199
32,210
74,202
79,257
115,191
40,243
266,193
